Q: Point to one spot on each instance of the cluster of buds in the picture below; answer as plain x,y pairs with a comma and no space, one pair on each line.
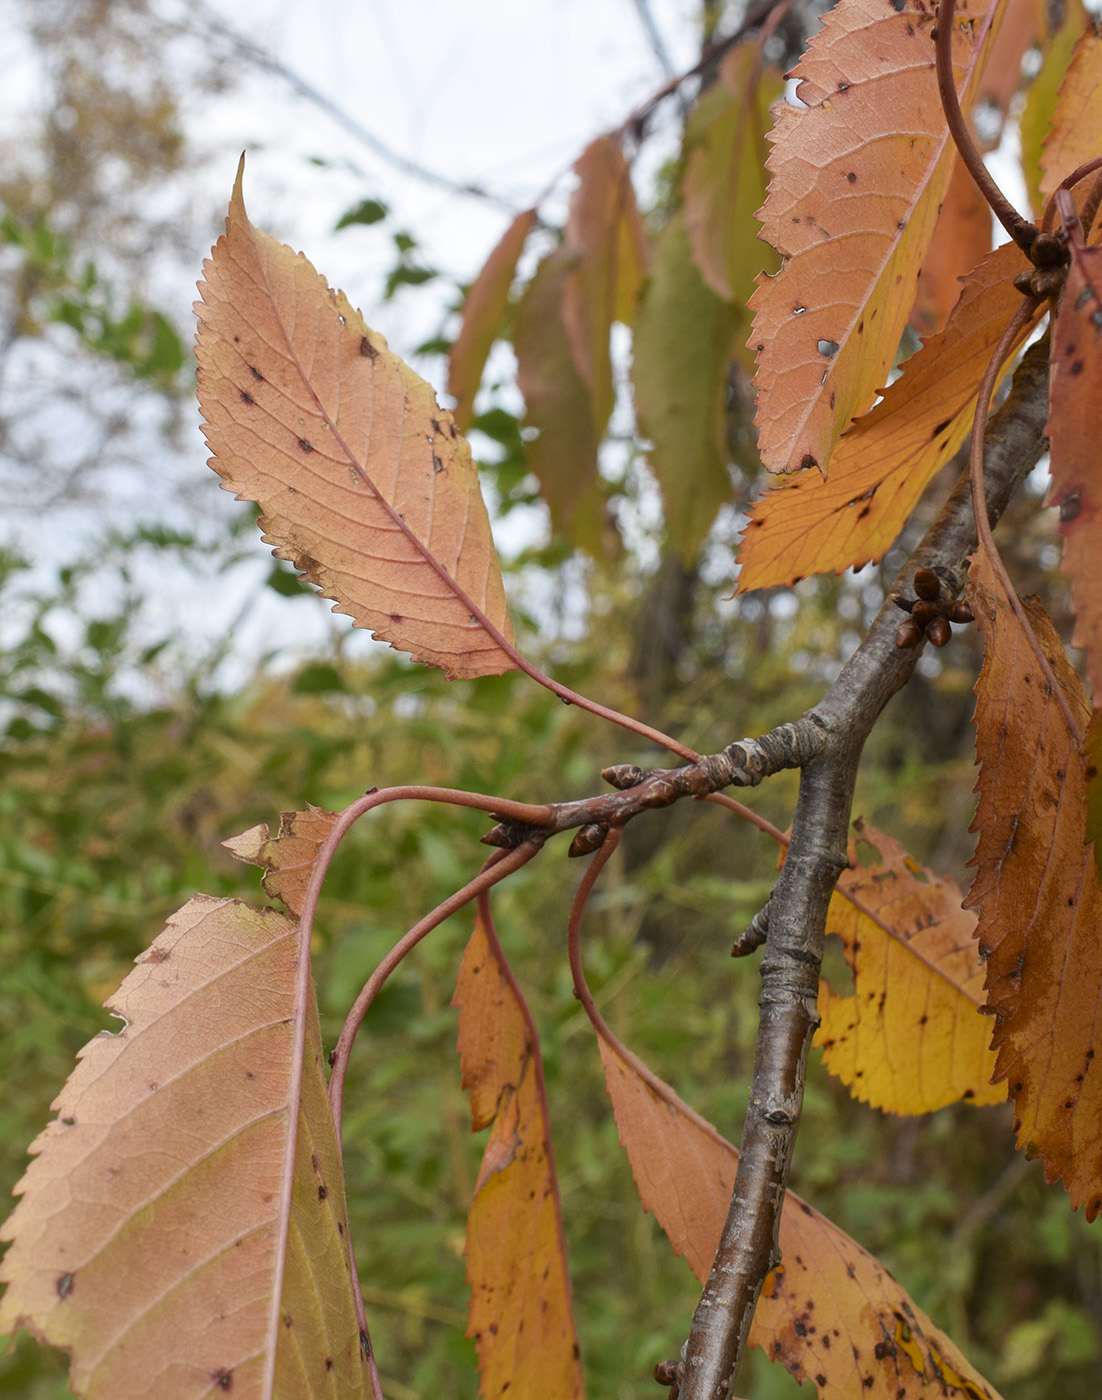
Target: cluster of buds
931,612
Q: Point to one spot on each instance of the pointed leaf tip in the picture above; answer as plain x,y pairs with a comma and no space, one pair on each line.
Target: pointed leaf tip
364,482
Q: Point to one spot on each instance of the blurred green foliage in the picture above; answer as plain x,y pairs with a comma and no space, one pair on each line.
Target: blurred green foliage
114,800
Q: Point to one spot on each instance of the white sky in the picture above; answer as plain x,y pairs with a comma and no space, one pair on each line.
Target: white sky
501,93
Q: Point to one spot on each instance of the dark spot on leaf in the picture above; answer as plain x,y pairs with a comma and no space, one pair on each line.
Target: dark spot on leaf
69,1122
396,617
328,1363
365,1342
323,1192
820,1379
437,464
65,1285
288,1320
306,446
255,372
367,349
865,510
843,87
807,461
246,397
1077,367
852,177
223,1379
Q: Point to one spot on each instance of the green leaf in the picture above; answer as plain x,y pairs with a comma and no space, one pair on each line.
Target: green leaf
368,211
684,334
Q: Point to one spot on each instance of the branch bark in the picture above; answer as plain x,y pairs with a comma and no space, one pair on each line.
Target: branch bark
841,722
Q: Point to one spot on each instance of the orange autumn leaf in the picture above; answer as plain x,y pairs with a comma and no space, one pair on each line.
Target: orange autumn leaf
183,1229
853,222
521,1315
1037,894
1042,96
724,182
910,1039
1092,753
1077,119
1074,394
884,463
605,231
483,309
830,1313
961,238
362,479
287,859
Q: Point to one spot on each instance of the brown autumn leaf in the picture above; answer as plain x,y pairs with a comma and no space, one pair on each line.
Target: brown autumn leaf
1092,753
961,238
483,309
830,1313
363,481
724,182
557,403
884,463
1072,138
605,230
287,859
1074,395
854,231
910,1039
1037,894
521,1315
183,1229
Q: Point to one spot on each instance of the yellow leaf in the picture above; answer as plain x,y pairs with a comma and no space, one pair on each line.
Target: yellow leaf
857,182
363,480
1037,894
910,1039
521,1315
483,309
830,1313
884,463
1043,95
1073,137
162,1239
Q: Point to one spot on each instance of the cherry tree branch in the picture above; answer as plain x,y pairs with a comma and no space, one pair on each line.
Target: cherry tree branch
797,908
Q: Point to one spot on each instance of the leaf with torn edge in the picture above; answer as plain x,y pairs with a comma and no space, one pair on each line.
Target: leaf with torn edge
910,1039
853,224
1037,894
521,1315
884,463
860,1335
287,858
1075,390
182,1229
363,481
483,310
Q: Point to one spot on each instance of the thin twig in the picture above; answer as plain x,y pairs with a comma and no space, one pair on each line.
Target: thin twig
1021,230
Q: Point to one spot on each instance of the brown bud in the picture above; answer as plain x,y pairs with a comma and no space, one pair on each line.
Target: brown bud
499,835
924,612
900,602
1048,250
939,631
1024,283
927,585
588,838
623,775
909,634
959,611
1046,281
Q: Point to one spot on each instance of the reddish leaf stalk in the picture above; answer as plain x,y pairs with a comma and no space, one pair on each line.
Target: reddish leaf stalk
1090,206
1021,230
